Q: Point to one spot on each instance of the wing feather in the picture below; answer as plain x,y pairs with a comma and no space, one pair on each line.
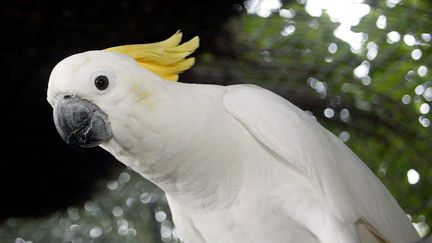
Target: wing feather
351,189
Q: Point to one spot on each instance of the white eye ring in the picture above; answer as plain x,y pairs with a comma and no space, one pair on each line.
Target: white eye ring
98,79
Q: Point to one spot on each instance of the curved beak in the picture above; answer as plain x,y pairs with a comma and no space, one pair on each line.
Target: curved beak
80,123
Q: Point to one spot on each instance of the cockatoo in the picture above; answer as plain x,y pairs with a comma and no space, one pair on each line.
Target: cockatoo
237,163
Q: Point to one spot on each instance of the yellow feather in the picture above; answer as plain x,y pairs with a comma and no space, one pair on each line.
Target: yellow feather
165,58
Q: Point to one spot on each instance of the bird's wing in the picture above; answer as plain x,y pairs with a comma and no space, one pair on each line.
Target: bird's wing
352,191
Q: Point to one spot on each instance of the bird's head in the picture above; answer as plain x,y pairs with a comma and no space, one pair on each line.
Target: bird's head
92,92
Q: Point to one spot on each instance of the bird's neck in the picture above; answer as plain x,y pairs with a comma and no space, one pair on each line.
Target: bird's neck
197,159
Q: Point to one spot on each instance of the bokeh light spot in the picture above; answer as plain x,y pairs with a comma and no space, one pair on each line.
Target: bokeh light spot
372,50
393,37
424,108
426,37
362,70
329,112
287,13
427,94
419,89
413,176
262,8
160,216
332,48
406,99
422,71
416,54
409,40
288,30
344,115
424,121
96,232
112,185
381,22
117,211
344,136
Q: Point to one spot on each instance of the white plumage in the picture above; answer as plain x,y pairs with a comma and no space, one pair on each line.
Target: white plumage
238,163
296,182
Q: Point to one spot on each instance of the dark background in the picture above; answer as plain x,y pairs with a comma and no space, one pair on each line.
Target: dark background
39,173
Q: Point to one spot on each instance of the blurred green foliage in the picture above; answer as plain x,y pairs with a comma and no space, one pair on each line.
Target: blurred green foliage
371,86
130,209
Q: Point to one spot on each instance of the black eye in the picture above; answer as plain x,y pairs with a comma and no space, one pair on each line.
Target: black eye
101,82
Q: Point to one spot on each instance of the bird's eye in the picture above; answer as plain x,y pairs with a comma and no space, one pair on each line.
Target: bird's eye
101,82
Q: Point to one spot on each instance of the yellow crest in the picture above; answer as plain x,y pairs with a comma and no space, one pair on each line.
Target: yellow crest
165,58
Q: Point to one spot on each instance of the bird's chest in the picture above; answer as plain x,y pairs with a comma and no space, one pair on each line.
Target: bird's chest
258,213
238,224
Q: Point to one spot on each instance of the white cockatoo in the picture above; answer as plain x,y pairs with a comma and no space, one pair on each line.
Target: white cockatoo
237,163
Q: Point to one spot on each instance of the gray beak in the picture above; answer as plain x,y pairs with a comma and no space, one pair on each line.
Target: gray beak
80,123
